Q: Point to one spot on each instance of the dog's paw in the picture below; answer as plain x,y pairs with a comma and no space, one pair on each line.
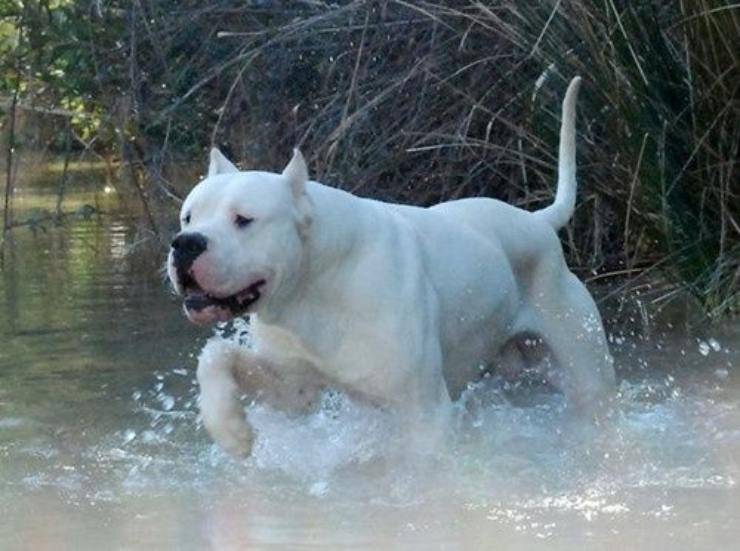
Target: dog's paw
231,432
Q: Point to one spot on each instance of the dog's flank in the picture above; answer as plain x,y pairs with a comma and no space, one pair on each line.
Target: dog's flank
393,304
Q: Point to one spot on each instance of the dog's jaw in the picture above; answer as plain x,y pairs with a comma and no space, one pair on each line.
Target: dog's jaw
203,307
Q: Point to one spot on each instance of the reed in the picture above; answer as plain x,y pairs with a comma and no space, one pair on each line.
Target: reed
422,101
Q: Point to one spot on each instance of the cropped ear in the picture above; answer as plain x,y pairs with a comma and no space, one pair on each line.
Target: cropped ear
220,164
297,174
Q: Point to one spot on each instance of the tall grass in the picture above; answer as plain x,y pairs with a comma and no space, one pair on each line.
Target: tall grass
661,126
421,101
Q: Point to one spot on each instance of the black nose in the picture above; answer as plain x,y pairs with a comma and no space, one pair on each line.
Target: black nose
186,247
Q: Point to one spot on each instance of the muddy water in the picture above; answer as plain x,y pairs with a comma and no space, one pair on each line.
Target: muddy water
100,445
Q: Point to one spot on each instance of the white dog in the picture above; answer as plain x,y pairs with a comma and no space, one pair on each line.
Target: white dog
395,304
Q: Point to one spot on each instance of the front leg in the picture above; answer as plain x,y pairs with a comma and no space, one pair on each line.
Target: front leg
220,406
227,371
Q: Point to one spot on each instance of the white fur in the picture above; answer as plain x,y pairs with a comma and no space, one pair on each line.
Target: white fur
395,304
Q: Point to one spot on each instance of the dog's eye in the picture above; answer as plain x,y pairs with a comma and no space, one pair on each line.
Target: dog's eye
242,221
186,220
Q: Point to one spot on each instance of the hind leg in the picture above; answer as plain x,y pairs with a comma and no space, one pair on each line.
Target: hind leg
569,322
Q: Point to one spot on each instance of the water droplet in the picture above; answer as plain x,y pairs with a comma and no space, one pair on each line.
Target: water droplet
703,348
319,488
168,402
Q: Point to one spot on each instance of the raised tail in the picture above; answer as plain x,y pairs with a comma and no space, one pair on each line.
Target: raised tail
562,209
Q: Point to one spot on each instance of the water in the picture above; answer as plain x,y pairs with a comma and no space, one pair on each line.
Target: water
100,446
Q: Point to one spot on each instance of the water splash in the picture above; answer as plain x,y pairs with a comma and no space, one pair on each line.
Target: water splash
514,453
504,441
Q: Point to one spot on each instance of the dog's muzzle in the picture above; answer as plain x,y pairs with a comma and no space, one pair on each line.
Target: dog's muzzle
186,248
201,306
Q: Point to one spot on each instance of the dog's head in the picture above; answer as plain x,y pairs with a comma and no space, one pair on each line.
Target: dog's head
241,239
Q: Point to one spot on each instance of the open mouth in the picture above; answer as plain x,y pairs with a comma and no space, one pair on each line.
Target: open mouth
196,299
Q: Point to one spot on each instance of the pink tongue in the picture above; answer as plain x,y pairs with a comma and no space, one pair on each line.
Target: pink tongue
209,314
